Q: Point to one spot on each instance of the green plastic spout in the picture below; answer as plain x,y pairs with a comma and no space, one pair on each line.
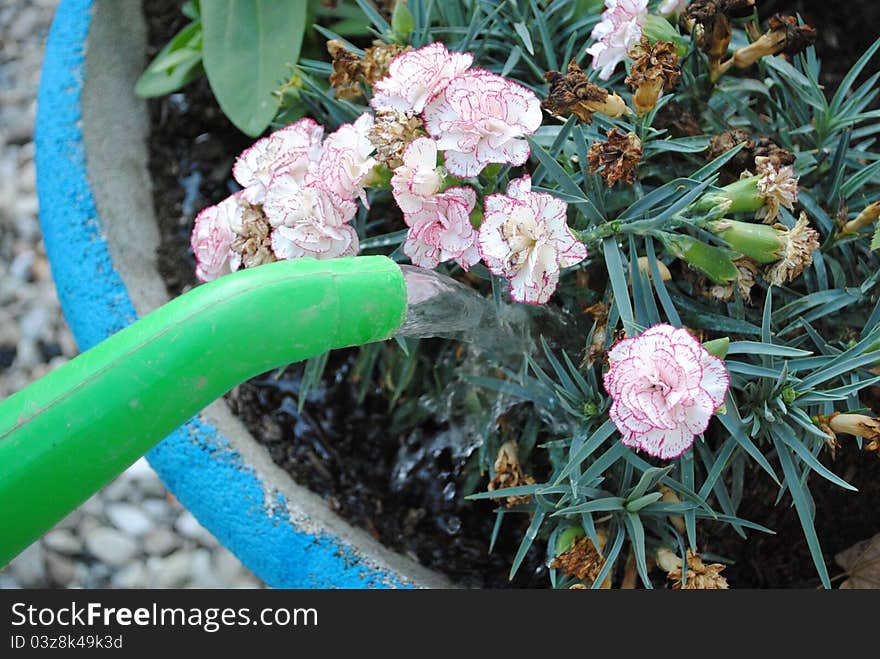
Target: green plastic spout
67,435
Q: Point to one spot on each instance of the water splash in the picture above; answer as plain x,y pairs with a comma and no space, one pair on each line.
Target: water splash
439,306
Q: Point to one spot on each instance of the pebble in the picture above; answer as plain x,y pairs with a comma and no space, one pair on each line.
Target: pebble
110,546
133,575
129,518
172,571
61,570
63,541
161,541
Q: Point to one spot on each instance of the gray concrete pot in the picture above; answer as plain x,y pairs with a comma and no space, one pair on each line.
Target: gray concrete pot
101,236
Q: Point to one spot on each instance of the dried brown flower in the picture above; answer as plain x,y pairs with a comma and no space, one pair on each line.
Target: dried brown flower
860,425
582,560
678,121
347,75
746,276
599,312
391,133
654,69
508,473
778,186
707,22
253,242
775,154
572,93
727,140
349,70
617,158
869,215
378,58
784,36
700,575
799,244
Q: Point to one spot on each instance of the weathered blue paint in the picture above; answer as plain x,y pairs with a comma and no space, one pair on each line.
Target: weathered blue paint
195,462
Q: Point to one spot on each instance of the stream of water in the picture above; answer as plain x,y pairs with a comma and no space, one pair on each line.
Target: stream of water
439,306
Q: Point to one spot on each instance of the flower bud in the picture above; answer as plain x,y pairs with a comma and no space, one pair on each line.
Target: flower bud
741,196
759,242
717,347
714,262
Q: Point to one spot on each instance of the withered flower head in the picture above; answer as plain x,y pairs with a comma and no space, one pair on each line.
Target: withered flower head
391,133
347,73
784,36
775,154
799,244
778,186
583,561
253,241
508,473
617,157
678,121
599,312
707,22
746,275
378,58
700,575
349,70
859,425
727,140
868,215
654,69
572,93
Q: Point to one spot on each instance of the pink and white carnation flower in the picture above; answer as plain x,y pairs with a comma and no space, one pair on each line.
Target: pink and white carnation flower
441,230
211,240
415,76
309,220
295,148
525,238
619,30
479,118
665,387
417,179
346,161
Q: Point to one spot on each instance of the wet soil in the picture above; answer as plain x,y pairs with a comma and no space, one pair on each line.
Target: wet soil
406,489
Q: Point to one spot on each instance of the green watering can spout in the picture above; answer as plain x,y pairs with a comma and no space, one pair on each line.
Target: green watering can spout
67,435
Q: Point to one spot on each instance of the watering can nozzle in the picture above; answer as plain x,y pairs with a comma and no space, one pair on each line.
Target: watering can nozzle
70,433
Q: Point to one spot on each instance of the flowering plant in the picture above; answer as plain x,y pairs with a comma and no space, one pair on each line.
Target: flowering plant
689,238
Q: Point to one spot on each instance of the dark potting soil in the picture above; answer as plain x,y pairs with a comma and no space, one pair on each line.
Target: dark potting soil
406,491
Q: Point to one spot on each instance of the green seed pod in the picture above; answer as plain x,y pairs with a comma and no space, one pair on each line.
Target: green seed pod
759,242
714,262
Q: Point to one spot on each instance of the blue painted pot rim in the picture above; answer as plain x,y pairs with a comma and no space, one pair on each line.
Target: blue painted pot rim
195,462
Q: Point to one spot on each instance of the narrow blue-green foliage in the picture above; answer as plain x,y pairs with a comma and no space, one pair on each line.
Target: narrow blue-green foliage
800,349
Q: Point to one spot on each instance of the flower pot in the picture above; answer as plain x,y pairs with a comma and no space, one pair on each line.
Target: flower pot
101,237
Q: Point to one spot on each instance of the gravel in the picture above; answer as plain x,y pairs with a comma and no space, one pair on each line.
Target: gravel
132,534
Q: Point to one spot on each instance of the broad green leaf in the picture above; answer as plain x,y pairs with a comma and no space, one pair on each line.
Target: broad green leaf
249,49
